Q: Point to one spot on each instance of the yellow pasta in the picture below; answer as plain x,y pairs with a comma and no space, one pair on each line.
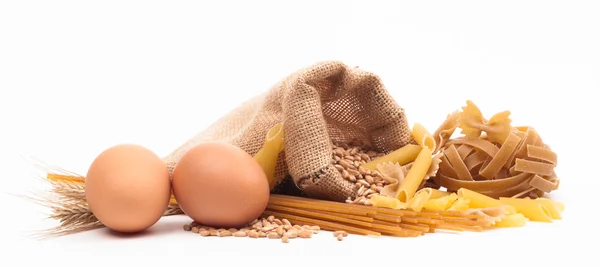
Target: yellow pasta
512,220
420,199
478,200
401,156
423,137
442,203
415,175
555,208
268,154
460,204
470,120
538,210
435,193
498,127
382,201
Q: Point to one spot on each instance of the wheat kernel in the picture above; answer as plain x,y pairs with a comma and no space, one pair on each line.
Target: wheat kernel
253,234
305,234
240,234
273,236
204,233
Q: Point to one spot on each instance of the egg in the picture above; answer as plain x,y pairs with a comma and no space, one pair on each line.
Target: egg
128,188
220,185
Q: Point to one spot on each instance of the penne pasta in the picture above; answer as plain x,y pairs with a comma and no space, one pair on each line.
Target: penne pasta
478,200
382,201
442,203
435,193
415,175
512,220
267,156
420,199
540,210
423,137
460,204
400,156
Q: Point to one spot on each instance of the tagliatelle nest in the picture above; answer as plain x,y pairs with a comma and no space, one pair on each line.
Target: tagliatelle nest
494,158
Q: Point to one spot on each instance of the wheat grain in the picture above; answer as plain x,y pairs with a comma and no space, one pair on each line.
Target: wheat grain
348,160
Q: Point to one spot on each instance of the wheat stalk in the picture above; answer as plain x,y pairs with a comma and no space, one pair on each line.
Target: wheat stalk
66,199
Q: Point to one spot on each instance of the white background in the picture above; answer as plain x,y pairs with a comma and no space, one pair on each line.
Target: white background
77,77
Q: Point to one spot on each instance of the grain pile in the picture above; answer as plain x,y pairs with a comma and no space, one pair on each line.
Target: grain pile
269,227
348,160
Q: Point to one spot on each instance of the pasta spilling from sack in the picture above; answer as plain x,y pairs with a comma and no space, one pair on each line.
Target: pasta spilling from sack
487,171
338,154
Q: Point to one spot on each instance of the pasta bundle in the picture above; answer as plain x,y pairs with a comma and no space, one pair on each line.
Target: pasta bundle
494,158
484,172
376,221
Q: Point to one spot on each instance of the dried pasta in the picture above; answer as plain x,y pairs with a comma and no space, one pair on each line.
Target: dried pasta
419,200
268,154
441,203
369,220
446,130
477,200
540,210
460,204
383,201
415,175
401,156
512,220
435,193
396,173
492,157
473,124
530,166
423,137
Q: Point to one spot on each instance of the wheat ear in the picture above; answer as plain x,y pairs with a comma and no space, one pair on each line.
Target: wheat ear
66,199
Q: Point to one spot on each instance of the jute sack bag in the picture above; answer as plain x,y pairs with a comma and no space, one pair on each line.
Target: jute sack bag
324,104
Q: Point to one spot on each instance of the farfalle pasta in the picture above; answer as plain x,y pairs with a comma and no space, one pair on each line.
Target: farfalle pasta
492,157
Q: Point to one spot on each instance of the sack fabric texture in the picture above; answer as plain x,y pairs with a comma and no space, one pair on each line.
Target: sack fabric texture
321,105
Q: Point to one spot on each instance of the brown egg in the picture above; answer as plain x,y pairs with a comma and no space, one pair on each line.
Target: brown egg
220,185
128,188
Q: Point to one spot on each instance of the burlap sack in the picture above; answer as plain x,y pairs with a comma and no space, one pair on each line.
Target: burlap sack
324,103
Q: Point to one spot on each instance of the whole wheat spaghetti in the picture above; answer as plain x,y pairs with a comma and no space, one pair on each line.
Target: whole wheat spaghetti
69,207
